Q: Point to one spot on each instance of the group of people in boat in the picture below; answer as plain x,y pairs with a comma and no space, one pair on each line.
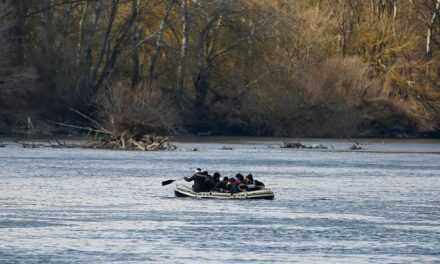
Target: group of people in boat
204,182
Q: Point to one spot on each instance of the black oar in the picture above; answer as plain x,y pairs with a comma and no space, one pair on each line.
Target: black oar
167,182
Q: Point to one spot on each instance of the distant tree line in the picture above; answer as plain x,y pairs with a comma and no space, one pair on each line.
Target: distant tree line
245,67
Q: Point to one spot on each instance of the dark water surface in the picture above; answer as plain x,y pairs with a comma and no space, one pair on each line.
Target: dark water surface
96,206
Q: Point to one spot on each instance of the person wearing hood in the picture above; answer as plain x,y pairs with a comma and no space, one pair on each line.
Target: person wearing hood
202,181
215,181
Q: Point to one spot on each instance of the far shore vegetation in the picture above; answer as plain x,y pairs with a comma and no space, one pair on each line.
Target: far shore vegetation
129,69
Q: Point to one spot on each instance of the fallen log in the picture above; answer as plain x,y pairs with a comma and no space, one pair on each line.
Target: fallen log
125,141
110,139
294,145
299,145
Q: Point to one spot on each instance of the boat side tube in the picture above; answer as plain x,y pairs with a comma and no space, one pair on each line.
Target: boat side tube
184,191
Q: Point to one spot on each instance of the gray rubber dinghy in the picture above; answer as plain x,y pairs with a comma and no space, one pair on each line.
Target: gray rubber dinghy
185,191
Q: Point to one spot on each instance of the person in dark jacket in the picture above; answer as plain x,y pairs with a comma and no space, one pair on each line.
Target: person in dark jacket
250,184
222,186
253,185
215,181
249,179
210,180
216,177
259,184
202,181
239,177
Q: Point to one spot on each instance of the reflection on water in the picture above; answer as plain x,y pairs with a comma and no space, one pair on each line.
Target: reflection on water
94,206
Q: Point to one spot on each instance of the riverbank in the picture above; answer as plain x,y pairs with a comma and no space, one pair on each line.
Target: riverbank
230,144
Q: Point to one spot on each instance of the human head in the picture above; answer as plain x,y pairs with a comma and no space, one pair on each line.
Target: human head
216,176
239,177
250,178
225,179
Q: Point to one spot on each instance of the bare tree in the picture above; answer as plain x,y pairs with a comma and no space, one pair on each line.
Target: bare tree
12,27
158,47
183,50
434,18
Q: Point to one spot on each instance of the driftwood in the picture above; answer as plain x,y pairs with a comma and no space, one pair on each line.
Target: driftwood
110,139
295,145
226,148
122,142
134,142
356,146
299,145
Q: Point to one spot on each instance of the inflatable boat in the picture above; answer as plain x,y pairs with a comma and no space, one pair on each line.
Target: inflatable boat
185,191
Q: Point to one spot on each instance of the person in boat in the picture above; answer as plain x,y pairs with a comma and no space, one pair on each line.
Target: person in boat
202,181
215,180
240,181
250,184
233,186
216,177
259,184
222,186
253,185
249,179
210,180
239,178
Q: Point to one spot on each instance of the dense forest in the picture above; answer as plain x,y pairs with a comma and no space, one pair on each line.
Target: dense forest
314,68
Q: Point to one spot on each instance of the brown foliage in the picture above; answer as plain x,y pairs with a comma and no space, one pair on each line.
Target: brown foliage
127,109
309,68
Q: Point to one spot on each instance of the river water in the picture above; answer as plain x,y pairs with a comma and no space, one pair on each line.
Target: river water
98,206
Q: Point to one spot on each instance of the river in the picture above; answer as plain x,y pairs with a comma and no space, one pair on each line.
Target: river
381,205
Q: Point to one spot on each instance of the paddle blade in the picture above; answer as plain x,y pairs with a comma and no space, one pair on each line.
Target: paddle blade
167,182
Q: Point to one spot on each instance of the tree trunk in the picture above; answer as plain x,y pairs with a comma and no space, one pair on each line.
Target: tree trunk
201,83
394,16
136,74
136,66
81,32
158,48
48,36
5,42
12,32
19,31
430,28
102,73
201,86
183,52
